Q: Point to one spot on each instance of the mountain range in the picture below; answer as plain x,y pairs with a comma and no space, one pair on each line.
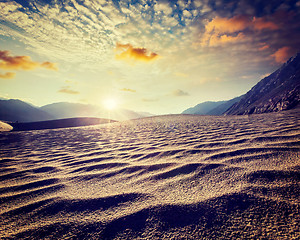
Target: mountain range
277,92
14,110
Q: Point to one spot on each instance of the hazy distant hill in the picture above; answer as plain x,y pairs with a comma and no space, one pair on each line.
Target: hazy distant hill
16,110
211,108
220,109
203,108
71,110
279,91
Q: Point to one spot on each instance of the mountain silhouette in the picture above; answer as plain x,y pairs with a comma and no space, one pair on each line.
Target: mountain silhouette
16,110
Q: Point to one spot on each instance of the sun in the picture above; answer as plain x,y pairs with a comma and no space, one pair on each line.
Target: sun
110,103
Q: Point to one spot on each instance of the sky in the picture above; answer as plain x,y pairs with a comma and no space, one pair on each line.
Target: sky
160,57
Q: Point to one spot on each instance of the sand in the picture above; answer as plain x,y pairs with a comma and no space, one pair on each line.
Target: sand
4,127
168,177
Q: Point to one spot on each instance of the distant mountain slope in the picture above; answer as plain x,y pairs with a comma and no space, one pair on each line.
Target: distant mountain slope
16,110
211,108
72,110
220,109
203,108
277,92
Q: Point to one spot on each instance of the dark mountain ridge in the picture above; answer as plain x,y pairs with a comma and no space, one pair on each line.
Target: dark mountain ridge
16,110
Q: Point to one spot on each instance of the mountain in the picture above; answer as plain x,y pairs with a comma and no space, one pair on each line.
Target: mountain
73,110
220,109
211,108
16,110
69,110
203,108
277,92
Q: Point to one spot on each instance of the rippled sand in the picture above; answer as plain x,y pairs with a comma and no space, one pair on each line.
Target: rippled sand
170,177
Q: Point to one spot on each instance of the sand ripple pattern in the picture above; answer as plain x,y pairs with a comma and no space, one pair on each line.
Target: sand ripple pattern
169,177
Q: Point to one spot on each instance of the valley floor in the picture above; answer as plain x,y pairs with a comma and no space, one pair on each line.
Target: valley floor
168,177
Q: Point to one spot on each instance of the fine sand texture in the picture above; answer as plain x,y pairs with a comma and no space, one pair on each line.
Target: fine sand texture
4,127
167,177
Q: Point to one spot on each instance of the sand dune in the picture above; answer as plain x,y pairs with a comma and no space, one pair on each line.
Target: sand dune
59,123
169,177
4,127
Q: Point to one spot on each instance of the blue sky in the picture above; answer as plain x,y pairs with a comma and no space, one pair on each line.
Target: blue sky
155,56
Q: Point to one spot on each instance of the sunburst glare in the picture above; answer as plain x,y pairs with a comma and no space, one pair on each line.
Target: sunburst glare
110,103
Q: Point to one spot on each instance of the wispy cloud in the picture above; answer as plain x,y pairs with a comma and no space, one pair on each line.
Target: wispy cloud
282,54
67,90
149,99
128,90
179,93
181,74
127,51
7,75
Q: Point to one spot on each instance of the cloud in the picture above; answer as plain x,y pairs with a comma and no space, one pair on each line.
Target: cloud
49,65
216,40
129,52
179,93
7,75
262,23
67,90
128,90
181,74
282,54
149,99
220,31
264,47
227,25
8,62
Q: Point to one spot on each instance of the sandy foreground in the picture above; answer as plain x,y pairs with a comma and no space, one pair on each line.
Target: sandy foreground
170,177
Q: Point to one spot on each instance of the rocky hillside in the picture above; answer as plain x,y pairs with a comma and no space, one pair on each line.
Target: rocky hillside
277,92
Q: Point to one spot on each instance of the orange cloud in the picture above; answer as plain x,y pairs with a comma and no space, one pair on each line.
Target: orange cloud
216,40
282,54
225,25
261,23
264,47
127,90
8,62
49,65
227,30
129,52
7,75
67,90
